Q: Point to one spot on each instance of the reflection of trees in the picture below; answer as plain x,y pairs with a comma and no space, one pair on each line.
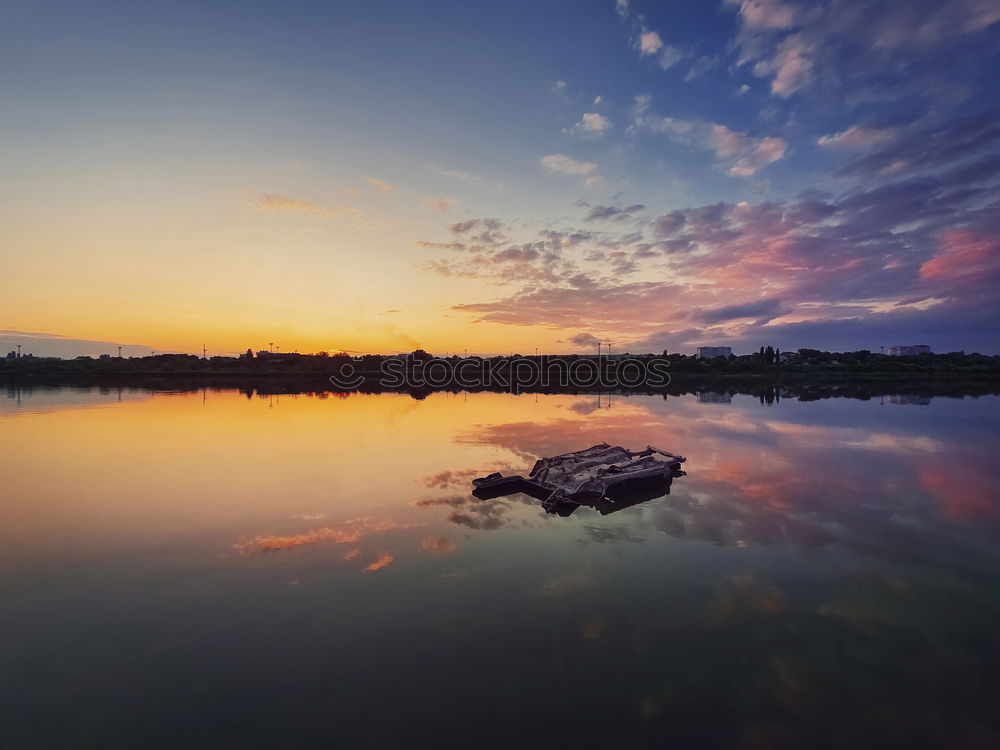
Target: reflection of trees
292,373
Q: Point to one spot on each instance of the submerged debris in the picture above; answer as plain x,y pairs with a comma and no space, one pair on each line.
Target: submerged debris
606,477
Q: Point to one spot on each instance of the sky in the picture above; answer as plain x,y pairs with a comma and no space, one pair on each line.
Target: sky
497,177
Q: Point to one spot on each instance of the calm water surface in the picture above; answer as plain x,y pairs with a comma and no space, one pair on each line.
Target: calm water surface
215,570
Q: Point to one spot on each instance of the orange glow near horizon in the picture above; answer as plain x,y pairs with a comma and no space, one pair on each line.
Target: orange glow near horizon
234,277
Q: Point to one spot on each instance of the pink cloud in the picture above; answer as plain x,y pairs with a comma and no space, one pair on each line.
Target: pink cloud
766,14
963,253
741,154
791,66
725,142
858,136
764,152
865,33
649,43
878,256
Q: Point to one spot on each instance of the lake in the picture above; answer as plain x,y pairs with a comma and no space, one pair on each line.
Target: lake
230,569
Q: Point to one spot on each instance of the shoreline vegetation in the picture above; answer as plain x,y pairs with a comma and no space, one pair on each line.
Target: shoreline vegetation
807,373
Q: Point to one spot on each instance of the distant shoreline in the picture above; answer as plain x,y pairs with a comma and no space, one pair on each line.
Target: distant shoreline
768,374
803,386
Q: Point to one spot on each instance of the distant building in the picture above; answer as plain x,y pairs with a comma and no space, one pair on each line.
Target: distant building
786,357
707,352
908,351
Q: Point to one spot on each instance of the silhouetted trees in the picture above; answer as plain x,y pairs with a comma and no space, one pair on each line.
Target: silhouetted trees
765,363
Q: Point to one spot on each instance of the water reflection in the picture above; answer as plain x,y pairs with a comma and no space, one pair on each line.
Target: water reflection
710,397
26,399
617,498
279,570
909,399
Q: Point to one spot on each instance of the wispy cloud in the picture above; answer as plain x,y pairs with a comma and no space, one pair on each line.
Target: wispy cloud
382,185
739,153
613,213
700,66
791,67
587,340
913,247
591,125
562,164
765,14
591,122
670,56
795,43
560,89
284,203
440,203
858,136
649,43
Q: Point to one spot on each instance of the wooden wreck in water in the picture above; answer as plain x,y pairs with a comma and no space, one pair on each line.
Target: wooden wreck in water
606,477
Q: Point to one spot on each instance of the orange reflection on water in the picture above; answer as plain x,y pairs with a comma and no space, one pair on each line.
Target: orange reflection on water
441,545
384,559
347,533
264,470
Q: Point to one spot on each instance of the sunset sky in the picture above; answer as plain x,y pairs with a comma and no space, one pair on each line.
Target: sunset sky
386,175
